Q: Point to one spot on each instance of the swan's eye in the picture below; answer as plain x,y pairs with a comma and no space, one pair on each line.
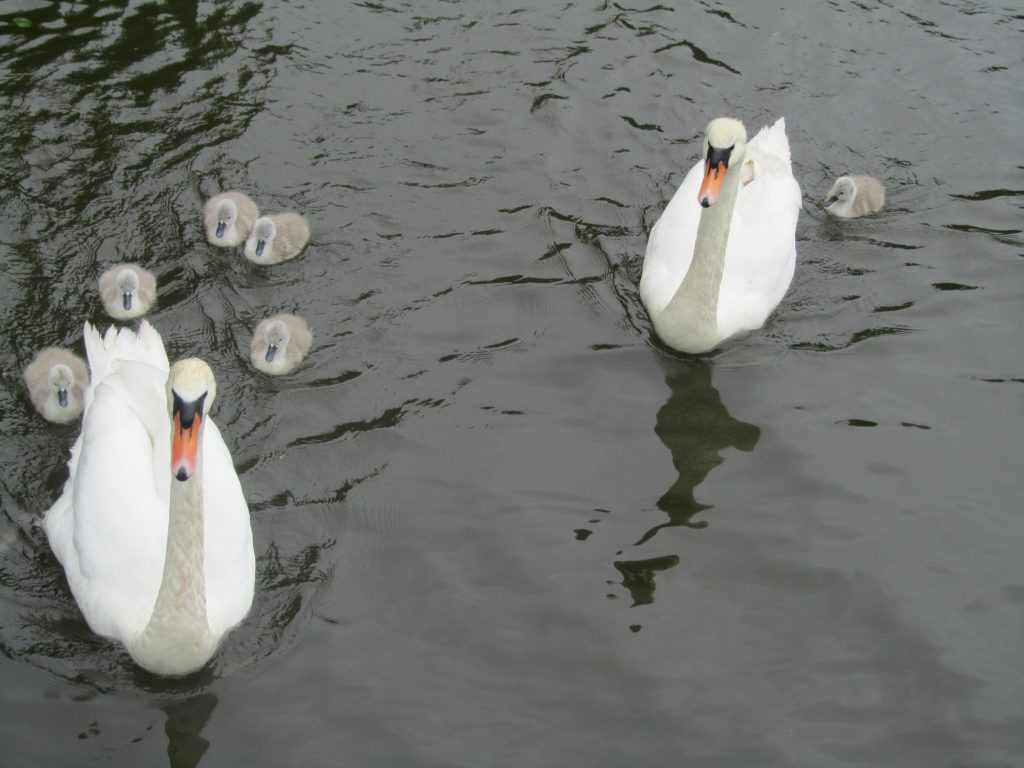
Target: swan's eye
187,410
718,155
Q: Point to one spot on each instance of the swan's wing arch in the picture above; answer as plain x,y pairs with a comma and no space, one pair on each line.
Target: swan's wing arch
112,503
229,556
670,245
114,534
761,252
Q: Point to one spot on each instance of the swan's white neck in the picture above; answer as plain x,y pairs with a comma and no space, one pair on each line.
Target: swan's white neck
689,321
177,639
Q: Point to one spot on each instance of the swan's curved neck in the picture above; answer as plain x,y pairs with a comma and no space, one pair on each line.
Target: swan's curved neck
177,638
689,321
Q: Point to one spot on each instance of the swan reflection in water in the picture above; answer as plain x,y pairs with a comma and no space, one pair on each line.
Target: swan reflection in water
696,427
186,719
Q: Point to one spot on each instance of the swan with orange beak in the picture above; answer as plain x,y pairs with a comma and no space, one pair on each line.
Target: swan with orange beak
152,527
722,255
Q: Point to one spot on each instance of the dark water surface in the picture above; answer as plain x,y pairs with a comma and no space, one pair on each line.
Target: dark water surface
496,523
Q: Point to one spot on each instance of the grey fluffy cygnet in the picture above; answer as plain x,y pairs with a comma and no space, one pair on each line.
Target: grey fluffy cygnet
853,196
277,238
279,343
56,381
229,218
127,290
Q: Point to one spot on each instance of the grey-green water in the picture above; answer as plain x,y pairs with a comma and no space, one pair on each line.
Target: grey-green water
496,523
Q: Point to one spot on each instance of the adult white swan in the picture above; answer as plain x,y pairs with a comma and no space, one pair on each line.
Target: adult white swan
722,255
152,528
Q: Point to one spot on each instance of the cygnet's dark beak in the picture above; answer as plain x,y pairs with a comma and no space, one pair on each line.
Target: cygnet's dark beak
221,226
832,200
271,350
260,245
126,300
62,398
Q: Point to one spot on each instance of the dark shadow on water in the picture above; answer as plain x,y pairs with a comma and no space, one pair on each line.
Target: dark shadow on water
186,719
696,427
638,576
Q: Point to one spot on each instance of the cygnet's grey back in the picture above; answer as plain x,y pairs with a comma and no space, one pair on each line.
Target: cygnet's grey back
279,343
127,290
228,218
56,381
853,196
277,238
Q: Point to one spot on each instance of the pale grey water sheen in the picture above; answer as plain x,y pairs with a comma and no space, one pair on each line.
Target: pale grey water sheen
496,522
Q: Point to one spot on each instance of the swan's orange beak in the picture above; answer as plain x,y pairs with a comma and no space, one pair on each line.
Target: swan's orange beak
188,420
185,446
713,177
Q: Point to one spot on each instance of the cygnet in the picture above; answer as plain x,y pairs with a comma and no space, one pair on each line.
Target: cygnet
277,238
127,290
56,381
853,196
279,343
229,217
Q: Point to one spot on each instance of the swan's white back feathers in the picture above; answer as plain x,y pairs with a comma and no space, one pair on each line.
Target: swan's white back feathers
772,143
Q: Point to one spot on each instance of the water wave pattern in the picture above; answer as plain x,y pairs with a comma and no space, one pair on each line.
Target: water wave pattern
496,520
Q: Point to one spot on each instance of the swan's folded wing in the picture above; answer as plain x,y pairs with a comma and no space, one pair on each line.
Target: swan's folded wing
120,521
229,557
761,250
670,245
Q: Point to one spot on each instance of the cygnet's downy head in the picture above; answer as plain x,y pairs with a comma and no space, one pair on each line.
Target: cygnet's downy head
263,232
127,291
725,145
61,381
277,339
128,287
279,343
842,192
227,211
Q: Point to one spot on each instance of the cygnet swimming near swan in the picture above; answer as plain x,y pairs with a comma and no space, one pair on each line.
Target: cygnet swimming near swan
279,343
127,290
853,196
56,381
277,238
229,218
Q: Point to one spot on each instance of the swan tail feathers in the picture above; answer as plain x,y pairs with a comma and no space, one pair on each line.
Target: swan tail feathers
120,345
772,140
